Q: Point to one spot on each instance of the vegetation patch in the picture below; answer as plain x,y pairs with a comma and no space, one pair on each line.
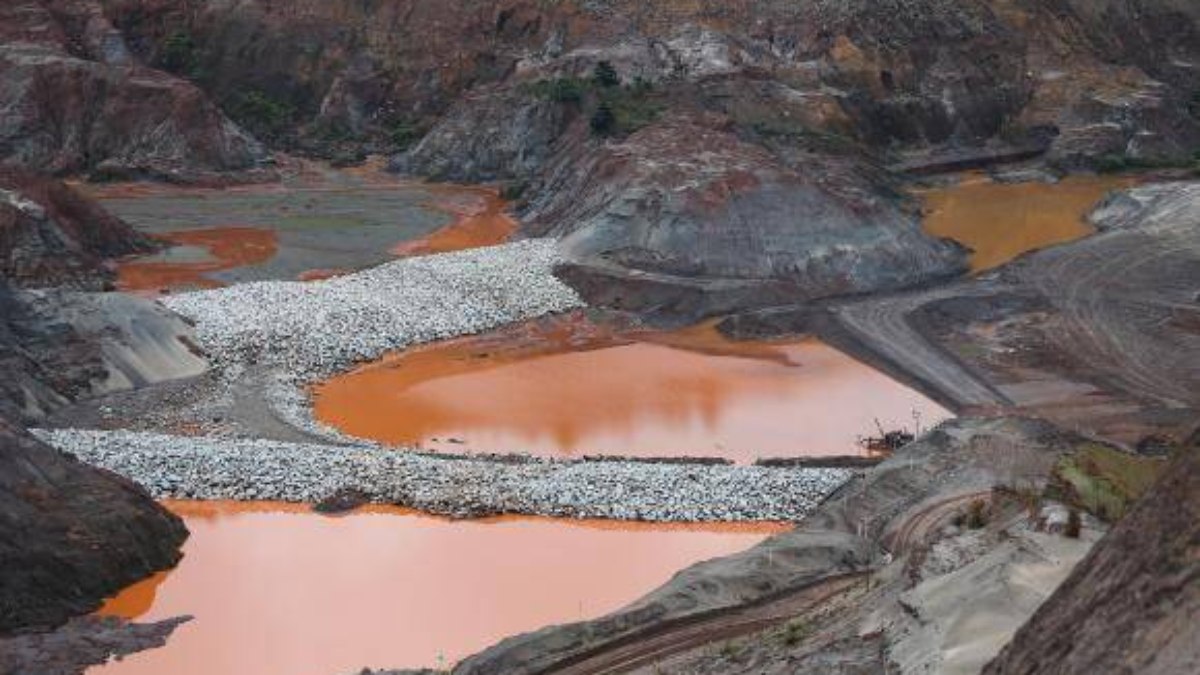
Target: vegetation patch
1122,163
1102,480
178,54
612,108
265,116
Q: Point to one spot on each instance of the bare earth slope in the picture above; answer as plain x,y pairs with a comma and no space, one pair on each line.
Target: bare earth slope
76,102
1131,605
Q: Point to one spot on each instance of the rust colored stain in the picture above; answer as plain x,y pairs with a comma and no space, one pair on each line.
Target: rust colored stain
278,589
568,387
227,248
999,221
480,220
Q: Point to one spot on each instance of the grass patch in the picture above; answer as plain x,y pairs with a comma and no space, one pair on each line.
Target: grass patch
559,89
612,108
1102,481
1121,163
795,632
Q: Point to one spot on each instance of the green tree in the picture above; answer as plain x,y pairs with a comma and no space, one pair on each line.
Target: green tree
604,121
604,75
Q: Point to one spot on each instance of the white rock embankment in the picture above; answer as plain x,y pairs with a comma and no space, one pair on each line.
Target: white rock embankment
247,469
314,329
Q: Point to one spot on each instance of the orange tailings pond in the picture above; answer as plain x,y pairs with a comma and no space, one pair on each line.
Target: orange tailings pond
276,588
565,386
1000,221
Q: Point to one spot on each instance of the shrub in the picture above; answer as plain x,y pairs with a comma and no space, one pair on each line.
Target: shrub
977,515
1074,524
604,75
263,115
513,191
795,632
178,54
559,90
604,121
403,134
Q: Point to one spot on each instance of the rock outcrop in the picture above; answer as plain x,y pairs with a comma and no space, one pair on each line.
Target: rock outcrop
56,343
71,534
685,220
75,102
1131,605
52,235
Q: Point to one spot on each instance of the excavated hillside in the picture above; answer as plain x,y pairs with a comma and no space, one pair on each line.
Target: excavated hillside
70,534
635,130
1131,605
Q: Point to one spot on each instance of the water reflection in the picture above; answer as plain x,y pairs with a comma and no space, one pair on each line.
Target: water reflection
565,386
275,588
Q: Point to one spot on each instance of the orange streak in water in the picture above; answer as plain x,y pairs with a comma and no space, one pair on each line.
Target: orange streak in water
229,247
999,221
565,386
275,588
482,221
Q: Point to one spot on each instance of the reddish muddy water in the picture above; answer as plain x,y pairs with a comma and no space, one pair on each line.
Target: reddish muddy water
275,588
223,248
480,220
1000,221
566,387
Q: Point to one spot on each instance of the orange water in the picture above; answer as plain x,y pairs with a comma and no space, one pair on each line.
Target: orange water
278,589
567,387
481,219
999,221
227,248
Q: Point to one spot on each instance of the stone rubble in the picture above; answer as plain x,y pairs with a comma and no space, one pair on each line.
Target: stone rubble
315,329
184,467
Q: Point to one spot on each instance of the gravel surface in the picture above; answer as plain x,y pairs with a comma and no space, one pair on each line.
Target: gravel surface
245,469
316,329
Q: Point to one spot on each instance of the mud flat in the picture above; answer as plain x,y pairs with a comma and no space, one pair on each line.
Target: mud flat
253,469
325,219
388,586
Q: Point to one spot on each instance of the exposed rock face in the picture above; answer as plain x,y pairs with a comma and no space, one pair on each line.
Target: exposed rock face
905,74
56,344
783,109
70,534
81,643
718,223
1131,605
74,102
51,235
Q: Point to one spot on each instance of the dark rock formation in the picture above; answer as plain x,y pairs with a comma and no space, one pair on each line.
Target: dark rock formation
76,103
686,220
55,344
81,643
1131,605
51,235
71,534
